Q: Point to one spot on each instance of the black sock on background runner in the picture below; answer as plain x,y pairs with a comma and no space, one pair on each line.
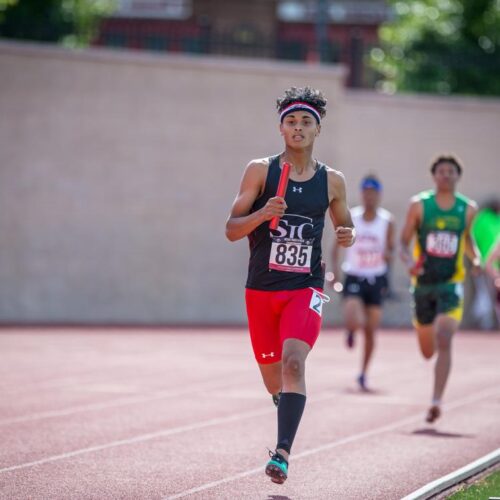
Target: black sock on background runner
290,409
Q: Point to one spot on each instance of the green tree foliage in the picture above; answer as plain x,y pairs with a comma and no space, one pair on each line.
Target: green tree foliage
72,22
441,46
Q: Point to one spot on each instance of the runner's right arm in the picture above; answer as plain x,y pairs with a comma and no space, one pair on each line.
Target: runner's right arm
413,218
241,222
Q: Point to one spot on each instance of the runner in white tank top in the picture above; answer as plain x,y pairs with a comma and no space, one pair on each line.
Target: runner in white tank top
367,257
365,268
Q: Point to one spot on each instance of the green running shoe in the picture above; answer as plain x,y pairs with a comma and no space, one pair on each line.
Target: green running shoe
277,468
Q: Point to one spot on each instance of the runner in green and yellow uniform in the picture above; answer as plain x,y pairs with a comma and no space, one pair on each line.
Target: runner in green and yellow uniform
441,220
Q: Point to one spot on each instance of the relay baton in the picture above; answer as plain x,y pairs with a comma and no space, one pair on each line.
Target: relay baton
282,185
417,267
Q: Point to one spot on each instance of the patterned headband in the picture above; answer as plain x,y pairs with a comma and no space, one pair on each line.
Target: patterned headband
300,106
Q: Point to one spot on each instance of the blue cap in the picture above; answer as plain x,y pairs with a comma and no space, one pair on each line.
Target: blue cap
371,183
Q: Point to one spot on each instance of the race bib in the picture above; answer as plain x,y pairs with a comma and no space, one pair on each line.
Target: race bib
441,244
316,303
368,259
293,256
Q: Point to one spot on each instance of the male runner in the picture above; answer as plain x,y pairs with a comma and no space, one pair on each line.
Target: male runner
441,220
486,233
285,275
492,268
365,267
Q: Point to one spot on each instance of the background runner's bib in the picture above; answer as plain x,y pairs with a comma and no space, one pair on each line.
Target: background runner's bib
290,257
441,244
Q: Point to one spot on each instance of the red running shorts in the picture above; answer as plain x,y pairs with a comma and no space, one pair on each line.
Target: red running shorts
274,316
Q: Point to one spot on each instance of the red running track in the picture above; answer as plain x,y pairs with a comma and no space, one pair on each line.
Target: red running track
165,414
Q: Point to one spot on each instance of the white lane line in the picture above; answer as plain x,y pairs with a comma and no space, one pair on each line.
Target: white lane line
160,434
334,444
143,437
173,393
213,422
435,487
57,383
208,386
354,398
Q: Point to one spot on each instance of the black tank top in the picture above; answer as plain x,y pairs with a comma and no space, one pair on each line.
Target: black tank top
290,257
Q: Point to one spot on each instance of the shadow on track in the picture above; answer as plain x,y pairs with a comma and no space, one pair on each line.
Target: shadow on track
368,391
436,433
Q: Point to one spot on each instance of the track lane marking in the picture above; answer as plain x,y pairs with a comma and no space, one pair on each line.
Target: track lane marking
116,403
225,420
160,434
142,438
334,444
449,480
158,395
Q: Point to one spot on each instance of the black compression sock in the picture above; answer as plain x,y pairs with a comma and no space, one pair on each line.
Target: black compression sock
290,409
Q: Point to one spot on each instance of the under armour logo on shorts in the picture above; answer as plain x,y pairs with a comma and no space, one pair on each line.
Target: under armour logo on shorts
270,355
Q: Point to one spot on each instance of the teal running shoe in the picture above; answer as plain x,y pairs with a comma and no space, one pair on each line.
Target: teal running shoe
277,468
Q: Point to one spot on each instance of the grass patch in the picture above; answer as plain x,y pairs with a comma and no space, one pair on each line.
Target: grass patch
487,487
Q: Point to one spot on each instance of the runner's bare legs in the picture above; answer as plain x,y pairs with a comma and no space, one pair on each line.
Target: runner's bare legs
373,316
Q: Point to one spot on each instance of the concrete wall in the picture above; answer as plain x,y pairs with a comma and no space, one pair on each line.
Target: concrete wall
117,175
117,171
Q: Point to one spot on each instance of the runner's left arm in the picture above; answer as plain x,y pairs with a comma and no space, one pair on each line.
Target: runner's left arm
339,211
389,245
336,262
470,245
